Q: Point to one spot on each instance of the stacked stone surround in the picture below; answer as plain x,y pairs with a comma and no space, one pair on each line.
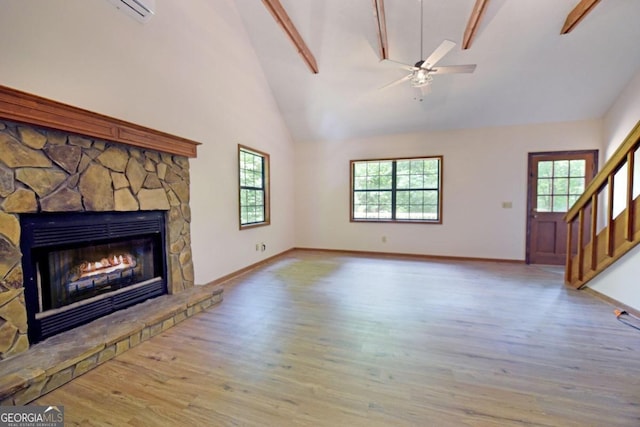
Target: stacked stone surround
43,170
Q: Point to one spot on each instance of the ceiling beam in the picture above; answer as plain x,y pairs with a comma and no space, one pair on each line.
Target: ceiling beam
578,13
474,22
281,17
381,28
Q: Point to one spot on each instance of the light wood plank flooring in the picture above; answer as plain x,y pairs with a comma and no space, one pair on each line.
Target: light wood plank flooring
329,339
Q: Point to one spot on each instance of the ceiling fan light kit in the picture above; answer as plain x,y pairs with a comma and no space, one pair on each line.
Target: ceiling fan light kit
420,77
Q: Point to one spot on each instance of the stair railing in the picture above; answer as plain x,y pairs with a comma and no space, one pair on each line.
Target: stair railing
595,238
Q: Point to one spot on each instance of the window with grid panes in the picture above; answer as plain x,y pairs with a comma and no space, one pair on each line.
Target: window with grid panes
560,184
401,190
254,187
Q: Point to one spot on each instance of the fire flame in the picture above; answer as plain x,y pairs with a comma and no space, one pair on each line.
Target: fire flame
107,265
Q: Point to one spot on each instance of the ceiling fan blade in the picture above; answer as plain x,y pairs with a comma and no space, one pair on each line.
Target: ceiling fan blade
397,82
437,54
453,69
405,66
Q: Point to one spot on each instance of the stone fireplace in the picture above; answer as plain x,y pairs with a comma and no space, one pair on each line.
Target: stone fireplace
47,173
78,267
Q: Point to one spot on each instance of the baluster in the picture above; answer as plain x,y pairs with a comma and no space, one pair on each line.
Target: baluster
628,230
609,247
580,243
568,269
594,227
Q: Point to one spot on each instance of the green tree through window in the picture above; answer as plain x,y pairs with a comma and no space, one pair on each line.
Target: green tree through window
397,190
254,187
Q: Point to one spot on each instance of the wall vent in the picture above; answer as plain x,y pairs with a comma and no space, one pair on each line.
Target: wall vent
140,10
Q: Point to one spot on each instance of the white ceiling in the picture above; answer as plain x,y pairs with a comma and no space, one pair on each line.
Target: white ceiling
526,71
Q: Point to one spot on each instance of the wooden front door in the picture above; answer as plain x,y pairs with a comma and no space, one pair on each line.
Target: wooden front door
556,181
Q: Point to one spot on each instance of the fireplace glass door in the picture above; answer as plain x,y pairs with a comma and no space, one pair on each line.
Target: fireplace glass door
80,273
80,266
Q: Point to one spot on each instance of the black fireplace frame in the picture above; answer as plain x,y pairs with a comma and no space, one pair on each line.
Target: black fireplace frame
48,231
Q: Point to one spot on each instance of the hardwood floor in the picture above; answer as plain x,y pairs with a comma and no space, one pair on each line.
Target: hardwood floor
322,339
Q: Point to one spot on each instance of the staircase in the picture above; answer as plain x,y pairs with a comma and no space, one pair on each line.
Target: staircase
599,231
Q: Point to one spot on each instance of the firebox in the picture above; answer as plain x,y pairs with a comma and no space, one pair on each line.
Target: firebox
81,266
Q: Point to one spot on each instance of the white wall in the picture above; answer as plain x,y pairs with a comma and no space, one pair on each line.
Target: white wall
191,71
482,169
620,281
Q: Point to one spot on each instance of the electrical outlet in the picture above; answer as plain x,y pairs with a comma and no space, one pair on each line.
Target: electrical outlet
257,247
384,239
507,205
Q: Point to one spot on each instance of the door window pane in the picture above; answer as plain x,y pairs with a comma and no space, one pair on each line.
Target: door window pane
560,186
577,168
545,169
561,168
544,204
576,186
560,203
544,186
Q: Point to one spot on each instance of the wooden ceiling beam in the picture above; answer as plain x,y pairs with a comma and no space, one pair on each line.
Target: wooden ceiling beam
578,13
282,18
474,22
381,29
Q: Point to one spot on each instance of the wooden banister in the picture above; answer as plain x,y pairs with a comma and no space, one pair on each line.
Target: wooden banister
612,165
596,251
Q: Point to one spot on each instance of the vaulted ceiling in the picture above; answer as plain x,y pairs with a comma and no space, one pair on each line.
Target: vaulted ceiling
527,71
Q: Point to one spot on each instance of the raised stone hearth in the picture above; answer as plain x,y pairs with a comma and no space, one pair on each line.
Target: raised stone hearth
43,170
56,361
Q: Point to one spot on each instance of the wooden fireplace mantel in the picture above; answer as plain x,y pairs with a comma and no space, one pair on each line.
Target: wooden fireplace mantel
31,109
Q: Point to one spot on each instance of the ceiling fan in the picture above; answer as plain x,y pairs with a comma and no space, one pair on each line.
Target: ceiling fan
421,73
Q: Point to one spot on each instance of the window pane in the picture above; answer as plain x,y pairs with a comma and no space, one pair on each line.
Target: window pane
560,186
373,182
402,211
373,168
431,181
385,212
360,183
372,198
561,168
560,203
385,198
577,167
257,179
572,200
416,197
576,186
360,169
402,198
431,197
544,186
545,169
417,167
543,204
360,198
416,181
403,167
386,168
431,166
402,181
